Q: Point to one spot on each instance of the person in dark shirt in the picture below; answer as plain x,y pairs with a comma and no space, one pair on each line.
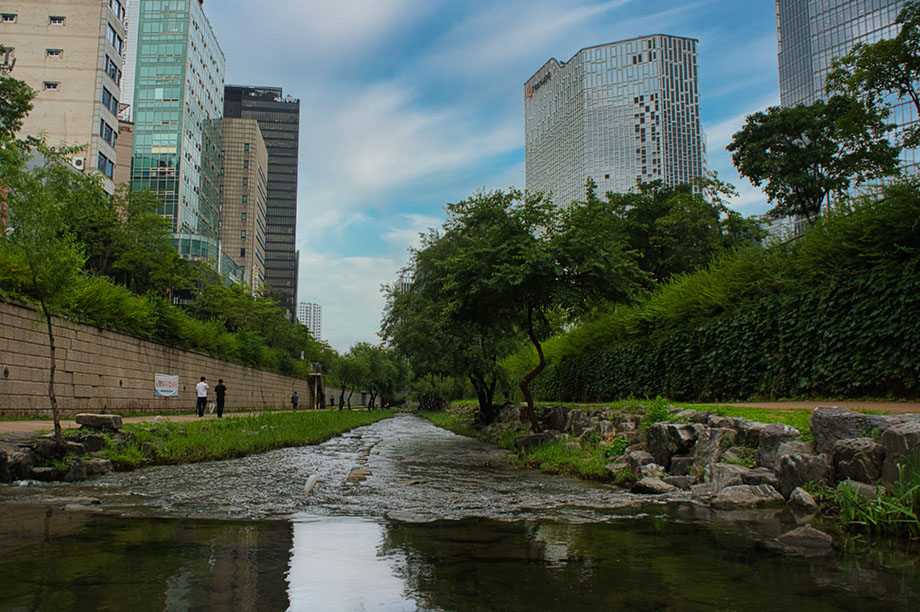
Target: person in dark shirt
220,392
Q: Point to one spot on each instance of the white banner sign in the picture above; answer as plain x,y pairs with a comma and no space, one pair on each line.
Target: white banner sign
165,385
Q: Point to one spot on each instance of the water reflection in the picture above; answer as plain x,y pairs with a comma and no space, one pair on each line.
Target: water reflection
338,565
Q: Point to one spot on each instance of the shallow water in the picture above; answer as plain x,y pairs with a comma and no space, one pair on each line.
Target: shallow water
438,522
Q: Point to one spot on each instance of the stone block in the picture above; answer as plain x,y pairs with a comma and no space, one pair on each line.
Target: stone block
902,445
795,470
831,423
858,459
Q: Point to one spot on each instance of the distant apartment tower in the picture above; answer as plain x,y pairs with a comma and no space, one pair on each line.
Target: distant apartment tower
811,33
311,315
177,68
244,192
279,119
618,113
71,53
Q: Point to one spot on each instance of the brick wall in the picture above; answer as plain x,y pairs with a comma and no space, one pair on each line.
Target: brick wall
105,371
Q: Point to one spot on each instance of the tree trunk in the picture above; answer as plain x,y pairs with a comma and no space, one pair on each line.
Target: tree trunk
525,382
350,393
58,435
342,397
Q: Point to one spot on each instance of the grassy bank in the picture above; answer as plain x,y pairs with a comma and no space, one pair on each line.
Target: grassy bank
195,441
588,458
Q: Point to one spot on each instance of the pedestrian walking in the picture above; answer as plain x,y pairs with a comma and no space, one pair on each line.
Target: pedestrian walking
220,394
202,390
294,400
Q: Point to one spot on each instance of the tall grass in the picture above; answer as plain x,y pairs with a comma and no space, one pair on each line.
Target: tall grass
893,511
191,442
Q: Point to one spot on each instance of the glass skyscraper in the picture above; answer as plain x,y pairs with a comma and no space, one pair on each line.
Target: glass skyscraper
279,119
619,113
177,74
811,33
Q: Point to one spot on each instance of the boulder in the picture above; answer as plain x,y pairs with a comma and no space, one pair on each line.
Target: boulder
653,486
720,422
97,467
806,540
92,442
44,448
749,432
803,500
650,470
529,441
15,463
771,437
681,482
747,496
795,470
684,415
700,417
681,465
711,443
830,423
796,447
606,429
111,422
615,469
739,454
627,423
759,476
704,492
723,474
668,439
75,448
75,473
45,474
554,418
858,459
864,490
902,444
637,458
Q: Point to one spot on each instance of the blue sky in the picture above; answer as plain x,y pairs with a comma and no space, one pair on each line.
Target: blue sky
407,105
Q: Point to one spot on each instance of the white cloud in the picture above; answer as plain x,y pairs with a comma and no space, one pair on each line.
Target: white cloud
348,289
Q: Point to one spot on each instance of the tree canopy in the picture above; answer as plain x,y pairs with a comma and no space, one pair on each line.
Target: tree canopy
876,72
803,154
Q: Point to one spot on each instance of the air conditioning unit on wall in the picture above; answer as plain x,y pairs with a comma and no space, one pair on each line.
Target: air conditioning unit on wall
78,162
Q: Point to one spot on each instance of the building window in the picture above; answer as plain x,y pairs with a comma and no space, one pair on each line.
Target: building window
245,164
51,85
244,217
243,252
117,8
245,182
113,70
54,52
242,233
9,17
105,165
56,20
106,132
115,40
109,101
245,147
245,199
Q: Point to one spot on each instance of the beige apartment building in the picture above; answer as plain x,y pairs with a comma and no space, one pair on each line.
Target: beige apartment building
71,53
244,192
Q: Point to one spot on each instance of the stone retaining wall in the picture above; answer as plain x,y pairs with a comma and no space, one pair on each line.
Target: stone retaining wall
107,372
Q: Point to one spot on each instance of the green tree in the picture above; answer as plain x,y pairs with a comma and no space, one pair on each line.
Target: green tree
512,260
804,154
15,103
40,240
875,72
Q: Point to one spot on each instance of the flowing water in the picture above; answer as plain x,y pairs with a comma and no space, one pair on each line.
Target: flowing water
406,516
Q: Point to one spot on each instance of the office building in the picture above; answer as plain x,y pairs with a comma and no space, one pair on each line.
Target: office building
619,113
311,315
279,119
71,53
177,69
244,192
811,33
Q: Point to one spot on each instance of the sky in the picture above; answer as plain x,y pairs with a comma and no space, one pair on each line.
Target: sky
407,105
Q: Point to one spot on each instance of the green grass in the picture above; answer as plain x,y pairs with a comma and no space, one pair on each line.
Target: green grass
195,441
563,457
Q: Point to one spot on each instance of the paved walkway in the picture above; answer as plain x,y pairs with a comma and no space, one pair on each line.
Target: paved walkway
24,427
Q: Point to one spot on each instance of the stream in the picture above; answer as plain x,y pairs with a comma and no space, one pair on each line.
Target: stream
402,515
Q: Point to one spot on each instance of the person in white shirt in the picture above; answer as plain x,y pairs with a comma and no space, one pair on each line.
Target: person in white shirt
202,390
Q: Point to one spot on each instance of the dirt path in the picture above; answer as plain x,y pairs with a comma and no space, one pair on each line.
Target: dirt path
883,407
